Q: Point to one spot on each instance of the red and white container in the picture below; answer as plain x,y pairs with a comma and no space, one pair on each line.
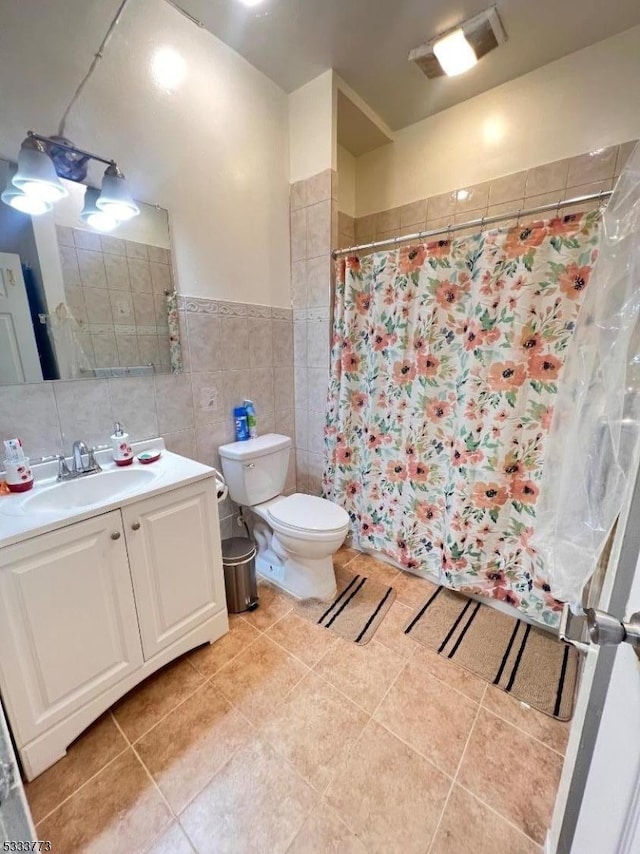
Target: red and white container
122,451
18,476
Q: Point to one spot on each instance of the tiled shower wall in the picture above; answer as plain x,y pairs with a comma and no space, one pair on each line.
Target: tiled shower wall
314,220
574,176
231,352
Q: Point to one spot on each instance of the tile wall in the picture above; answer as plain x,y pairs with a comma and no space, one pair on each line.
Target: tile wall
314,219
115,291
574,176
231,352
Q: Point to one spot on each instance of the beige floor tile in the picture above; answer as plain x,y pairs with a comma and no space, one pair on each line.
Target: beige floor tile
118,810
344,555
273,605
375,569
259,678
323,832
172,841
430,716
145,705
97,746
302,638
208,659
515,775
314,729
256,803
363,673
391,634
413,590
468,825
186,749
387,794
440,667
552,732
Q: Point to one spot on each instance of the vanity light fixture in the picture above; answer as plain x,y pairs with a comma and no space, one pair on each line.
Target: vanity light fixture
460,48
115,198
92,215
36,176
35,185
19,200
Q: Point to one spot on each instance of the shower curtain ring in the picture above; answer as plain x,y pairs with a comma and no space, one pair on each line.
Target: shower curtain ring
558,208
518,218
482,224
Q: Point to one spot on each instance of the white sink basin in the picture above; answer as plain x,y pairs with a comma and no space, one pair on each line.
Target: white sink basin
85,491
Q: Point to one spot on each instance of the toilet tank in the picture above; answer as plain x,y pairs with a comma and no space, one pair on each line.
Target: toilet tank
256,470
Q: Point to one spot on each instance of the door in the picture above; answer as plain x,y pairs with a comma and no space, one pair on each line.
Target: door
176,562
598,806
68,624
19,359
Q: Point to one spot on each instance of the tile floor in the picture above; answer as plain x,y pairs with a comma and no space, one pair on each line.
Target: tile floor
282,737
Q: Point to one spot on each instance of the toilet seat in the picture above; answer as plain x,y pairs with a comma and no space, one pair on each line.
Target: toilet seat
307,515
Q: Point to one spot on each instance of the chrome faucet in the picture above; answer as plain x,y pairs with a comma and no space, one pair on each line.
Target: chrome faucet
78,468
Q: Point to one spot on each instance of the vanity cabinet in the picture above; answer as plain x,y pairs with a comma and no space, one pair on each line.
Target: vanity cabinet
173,542
89,610
68,625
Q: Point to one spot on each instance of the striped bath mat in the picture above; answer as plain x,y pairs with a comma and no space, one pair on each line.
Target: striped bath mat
528,663
357,609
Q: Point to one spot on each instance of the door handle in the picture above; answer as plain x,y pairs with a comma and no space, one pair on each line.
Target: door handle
135,526
607,630
115,535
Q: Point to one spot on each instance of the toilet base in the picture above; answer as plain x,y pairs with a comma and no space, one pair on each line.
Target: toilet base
313,579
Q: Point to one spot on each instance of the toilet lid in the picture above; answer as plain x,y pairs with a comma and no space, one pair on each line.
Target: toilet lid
309,513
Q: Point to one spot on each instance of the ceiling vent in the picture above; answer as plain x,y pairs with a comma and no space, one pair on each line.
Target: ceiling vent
482,34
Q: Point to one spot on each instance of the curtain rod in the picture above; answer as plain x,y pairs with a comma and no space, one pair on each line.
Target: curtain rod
485,220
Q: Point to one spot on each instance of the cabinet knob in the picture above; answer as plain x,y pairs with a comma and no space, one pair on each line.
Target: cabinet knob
115,535
135,526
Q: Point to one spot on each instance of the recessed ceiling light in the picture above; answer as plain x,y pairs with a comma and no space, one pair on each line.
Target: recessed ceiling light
454,53
168,68
251,3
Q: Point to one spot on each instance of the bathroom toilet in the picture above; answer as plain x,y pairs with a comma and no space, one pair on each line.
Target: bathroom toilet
296,535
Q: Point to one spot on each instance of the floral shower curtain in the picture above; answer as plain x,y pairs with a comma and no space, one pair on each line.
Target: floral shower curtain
445,364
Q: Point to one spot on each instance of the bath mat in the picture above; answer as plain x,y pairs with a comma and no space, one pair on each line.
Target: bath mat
357,609
528,663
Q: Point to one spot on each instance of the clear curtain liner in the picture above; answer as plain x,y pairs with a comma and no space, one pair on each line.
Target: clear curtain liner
592,449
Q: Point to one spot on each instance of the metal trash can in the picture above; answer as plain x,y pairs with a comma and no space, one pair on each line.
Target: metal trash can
239,561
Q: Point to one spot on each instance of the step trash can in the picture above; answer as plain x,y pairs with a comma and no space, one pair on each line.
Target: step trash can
239,561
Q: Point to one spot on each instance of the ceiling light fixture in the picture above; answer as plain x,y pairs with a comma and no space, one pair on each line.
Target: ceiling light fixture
460,48
454,53
251,3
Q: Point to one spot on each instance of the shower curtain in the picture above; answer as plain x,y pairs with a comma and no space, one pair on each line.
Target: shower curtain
445,365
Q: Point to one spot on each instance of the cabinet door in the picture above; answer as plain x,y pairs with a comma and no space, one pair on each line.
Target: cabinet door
68,623
176,562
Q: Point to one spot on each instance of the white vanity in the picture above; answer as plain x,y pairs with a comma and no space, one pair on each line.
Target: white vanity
103,580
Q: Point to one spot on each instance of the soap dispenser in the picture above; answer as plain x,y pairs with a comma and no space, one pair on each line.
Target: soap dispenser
122,452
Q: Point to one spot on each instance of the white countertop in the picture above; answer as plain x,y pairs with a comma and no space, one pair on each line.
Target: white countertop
170,471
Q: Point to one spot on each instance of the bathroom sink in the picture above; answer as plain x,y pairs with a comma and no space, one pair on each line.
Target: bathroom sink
85,491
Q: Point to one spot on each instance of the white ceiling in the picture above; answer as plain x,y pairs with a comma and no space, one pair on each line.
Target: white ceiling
367,42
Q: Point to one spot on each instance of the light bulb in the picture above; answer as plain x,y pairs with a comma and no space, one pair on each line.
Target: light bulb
454,53
118,211
101,221
42,191
29,204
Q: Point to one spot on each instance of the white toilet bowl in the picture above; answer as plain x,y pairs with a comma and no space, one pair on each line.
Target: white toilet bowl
296,535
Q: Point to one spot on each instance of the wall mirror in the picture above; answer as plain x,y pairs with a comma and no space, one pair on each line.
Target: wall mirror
78,303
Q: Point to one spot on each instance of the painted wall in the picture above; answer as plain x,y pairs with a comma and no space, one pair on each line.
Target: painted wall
311,128
346,182
214,152
585,101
